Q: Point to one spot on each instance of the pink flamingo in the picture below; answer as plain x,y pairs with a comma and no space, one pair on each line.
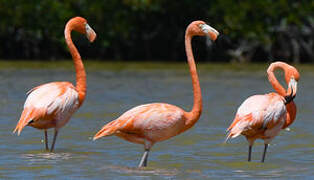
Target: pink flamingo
51,105
150,123
263,116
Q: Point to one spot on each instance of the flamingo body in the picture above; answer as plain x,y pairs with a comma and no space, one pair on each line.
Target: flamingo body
49,105
263,116
259,116
148,123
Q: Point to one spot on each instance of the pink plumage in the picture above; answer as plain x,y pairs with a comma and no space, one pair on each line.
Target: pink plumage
150,123
263,116
51,105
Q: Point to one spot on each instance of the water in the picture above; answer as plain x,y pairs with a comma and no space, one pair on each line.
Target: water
198,153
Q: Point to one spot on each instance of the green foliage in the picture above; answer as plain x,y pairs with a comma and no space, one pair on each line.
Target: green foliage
154,29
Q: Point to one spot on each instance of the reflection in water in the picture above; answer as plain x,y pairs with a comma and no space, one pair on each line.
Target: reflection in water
141,171
45,157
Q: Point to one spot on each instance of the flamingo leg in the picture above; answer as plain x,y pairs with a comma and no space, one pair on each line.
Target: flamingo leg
143,162
250,151
46,140
264,153
54,140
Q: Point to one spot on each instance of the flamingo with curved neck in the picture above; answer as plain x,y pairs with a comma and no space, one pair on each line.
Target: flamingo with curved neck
291,72
263,116
51,105
150,123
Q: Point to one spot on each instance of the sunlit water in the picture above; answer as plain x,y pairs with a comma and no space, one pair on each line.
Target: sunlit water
198,153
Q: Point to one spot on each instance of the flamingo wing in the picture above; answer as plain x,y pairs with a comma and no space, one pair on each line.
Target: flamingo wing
147,120
49,102
258,113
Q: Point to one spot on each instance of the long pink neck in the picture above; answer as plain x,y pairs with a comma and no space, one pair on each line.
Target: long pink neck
196,111
78,64
291,107
273,80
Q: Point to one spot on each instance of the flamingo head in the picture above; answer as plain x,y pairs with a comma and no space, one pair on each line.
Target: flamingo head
292,77
200,28
80,24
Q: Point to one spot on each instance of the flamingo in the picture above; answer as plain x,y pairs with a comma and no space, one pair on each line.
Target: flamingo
51,105
263,116
150,123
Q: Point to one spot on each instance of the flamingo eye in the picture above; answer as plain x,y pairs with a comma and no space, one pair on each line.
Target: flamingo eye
87,27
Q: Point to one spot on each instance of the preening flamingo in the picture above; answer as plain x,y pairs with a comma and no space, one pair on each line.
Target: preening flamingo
150,123
51,105
263,116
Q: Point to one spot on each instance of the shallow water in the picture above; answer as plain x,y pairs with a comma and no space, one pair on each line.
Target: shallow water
198,153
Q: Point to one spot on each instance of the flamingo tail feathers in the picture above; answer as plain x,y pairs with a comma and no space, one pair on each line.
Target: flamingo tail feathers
238,126
25,119
107,130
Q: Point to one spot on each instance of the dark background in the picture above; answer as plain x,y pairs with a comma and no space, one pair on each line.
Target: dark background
153,30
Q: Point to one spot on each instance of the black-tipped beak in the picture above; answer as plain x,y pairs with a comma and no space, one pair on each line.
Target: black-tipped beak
290,97
213,33
292,88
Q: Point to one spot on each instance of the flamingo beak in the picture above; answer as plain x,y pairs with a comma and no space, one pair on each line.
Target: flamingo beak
294,86
213,33
292,91
90,33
